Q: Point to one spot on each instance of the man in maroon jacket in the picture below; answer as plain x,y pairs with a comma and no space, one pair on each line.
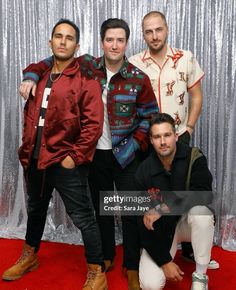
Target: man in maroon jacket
129,104
62,124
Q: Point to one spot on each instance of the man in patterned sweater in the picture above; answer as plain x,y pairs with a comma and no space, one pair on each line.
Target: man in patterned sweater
129,104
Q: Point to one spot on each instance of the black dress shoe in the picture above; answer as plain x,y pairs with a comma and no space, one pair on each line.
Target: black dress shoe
189,257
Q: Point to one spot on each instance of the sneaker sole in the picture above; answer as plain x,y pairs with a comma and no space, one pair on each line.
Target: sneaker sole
209,266
213,267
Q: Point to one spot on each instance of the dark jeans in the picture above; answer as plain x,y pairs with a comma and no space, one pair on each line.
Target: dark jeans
186,246
73,189
105,172
184,138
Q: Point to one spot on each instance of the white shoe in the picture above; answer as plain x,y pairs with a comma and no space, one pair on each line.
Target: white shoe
213,265
199,281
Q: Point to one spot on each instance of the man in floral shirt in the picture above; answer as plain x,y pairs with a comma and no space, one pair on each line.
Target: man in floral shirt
174,73
176,80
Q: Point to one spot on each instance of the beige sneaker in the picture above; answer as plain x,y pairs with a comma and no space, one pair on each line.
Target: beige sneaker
96,279
26,263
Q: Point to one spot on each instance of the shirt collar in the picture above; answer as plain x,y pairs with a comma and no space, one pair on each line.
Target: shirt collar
123,70
182,151
71,69
171,53
146,54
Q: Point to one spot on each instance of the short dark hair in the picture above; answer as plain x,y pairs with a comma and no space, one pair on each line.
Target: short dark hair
114,23
154,13
69,22
161,118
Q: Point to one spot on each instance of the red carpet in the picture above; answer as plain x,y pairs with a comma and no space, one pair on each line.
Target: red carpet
62,267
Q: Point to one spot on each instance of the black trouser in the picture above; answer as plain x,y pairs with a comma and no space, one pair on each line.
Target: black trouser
105,172
73,189
186,246
184,138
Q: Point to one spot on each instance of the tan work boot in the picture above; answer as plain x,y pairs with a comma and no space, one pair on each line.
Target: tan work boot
109,265
26,263
133,280
96,279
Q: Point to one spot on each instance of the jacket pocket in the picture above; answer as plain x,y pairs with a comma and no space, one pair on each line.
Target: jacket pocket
125,105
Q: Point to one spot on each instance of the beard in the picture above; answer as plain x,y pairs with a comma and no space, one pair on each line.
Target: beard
63,57
159,48
168,152
164,154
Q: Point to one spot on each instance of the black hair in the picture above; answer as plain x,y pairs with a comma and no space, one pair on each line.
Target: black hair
161,118
69,22
114,23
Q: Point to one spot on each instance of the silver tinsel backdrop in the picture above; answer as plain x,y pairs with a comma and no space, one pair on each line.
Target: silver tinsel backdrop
206,27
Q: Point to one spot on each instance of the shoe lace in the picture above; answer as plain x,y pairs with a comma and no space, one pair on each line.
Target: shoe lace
24,255
199,284
91,278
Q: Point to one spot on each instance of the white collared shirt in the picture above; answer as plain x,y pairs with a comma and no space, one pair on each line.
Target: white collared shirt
179,72
104,142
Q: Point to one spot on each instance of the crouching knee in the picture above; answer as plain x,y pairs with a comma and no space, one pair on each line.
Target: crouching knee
152,282
151,276
202,216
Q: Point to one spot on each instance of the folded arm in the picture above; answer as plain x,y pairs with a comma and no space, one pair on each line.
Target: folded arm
32,74
146,108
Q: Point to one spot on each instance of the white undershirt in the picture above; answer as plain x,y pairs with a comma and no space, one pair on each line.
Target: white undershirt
104,143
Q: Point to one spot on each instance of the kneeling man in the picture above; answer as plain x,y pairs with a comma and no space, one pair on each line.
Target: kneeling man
178,181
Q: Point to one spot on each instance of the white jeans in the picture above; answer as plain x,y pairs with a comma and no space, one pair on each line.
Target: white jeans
197,227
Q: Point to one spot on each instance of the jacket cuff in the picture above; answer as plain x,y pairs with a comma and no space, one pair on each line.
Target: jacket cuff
162,259
31,76
136,145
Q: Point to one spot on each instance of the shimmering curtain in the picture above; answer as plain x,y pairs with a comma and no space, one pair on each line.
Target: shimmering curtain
207,28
